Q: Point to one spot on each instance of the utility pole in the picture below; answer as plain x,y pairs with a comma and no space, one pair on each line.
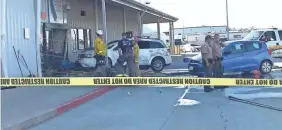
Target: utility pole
183,26
227,20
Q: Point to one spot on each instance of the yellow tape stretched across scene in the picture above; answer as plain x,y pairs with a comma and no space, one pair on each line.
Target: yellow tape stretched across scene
131,81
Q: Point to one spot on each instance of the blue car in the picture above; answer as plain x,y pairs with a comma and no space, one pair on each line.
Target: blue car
238,56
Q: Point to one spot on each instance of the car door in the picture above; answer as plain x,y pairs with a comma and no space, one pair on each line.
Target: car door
272,38
157,48
253,55
113,53
144,52
277,53
234,57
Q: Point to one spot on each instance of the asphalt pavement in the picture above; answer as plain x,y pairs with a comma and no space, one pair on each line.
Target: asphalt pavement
168,108
137,108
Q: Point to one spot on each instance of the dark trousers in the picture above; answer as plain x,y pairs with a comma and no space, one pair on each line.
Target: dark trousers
208,71
217,70
129,59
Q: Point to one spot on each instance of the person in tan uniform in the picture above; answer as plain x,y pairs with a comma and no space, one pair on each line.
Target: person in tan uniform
206,51
217,55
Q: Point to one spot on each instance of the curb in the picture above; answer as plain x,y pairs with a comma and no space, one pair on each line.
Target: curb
60,110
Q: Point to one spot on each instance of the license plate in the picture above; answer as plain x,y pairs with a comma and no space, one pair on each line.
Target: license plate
191,68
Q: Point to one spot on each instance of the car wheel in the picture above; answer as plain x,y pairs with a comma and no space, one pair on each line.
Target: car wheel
265,67
157,64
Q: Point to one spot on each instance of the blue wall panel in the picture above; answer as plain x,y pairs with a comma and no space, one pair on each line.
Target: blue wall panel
20,15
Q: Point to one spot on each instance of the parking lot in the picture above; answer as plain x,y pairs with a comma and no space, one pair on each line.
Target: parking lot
143,107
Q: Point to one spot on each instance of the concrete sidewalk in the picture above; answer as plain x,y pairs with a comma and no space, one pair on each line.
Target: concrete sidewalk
28,106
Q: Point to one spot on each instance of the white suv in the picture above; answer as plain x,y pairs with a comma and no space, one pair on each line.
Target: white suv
274,42
153,54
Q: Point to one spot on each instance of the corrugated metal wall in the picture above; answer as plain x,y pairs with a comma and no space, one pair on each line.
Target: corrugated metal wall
114,18
19,16
75,20
132,18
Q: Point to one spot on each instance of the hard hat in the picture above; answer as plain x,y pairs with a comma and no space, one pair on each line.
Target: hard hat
99,32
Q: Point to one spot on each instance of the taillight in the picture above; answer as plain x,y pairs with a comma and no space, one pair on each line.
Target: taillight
269,51
168,50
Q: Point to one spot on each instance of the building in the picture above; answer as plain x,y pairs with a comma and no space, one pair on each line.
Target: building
196,34
200,29
66,27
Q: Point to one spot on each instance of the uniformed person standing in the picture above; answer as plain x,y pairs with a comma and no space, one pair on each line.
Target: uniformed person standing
206,51
125,50
100,54
136,56
99,45
217,55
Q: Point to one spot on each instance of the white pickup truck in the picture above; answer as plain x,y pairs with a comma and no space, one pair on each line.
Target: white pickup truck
275,39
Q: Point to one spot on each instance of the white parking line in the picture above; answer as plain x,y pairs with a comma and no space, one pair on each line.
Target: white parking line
186,102
258,95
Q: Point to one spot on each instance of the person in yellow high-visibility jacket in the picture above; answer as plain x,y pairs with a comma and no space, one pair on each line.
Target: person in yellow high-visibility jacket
99,45
136,50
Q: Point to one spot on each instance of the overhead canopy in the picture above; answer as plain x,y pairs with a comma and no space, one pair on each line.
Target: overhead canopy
151,15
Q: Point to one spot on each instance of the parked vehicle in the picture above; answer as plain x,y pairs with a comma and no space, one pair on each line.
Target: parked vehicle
190,47
238,56
274,42
154,54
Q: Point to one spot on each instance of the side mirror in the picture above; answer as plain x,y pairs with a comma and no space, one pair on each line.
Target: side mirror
226,52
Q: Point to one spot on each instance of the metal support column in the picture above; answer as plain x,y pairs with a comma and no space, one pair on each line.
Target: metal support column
159,29
104,15
124,20
38,35
3,44
96,15
140,23
171,35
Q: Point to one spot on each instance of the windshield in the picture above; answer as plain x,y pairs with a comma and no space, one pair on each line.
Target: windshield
253,35
111,44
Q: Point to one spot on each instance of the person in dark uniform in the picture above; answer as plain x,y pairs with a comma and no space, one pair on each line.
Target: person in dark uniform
206,51
125,50
217,55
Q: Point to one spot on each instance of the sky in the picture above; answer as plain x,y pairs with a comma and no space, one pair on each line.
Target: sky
242,13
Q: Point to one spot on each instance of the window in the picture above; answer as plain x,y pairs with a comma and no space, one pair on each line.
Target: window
236,48
74,38
237,36
143,44
112,44
271,35
280,35
81,38
154,44
253,46
253,35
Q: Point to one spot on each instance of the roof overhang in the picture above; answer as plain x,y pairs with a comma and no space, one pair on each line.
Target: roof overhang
149,10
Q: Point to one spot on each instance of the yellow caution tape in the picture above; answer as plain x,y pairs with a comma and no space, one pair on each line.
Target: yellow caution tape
163,81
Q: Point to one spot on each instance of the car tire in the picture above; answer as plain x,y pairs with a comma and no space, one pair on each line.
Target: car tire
157,64
265,67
